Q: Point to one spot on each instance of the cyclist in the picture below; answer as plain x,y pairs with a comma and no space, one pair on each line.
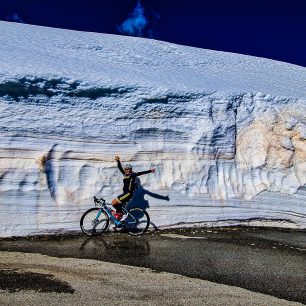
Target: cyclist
129,187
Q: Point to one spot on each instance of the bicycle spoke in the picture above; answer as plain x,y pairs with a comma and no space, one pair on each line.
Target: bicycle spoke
94,222
137,221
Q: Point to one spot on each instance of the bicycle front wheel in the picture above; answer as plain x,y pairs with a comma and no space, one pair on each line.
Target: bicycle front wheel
94,222
137,221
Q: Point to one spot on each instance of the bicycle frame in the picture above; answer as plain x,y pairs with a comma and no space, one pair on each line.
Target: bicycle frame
103,207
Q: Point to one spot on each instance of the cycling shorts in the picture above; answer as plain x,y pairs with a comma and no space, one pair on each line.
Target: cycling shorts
124,197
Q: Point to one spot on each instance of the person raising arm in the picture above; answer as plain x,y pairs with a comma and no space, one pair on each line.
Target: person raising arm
129,178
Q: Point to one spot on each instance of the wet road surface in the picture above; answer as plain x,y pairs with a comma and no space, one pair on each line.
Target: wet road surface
262,260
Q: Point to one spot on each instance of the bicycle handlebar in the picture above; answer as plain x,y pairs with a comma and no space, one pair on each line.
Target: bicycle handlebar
96,200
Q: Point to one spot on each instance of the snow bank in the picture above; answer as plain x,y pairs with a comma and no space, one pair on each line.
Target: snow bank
226,132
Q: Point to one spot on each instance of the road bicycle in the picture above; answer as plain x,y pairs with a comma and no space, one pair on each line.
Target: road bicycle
97,220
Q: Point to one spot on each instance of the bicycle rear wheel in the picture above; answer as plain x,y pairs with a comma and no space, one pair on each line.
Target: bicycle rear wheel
137,221
93,226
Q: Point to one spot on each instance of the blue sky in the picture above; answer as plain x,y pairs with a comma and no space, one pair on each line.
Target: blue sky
270,28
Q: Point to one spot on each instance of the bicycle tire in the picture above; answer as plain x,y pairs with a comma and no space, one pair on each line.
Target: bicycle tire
88,224
140,226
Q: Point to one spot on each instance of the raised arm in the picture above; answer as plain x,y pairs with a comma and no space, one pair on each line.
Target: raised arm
117,158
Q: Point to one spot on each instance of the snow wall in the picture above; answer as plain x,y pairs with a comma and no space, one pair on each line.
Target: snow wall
225,132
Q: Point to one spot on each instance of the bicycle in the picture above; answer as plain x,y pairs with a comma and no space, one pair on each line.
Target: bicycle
96,220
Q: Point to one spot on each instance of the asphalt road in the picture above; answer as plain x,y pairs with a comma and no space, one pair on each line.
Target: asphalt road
268,261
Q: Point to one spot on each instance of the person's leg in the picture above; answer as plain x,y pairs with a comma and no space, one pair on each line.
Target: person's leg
121,200
117,204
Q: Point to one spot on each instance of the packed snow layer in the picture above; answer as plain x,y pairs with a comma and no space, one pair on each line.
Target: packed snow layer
226,132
